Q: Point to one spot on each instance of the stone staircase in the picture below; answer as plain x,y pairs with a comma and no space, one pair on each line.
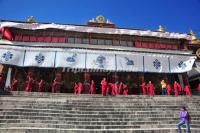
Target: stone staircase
32,112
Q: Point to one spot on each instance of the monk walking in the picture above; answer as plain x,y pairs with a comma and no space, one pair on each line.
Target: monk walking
177,88
125,89
120,88
104,86
30,84
144,88
151,89
80,88
92,87
187,90
56,83
13,85
75,88
168,89
41,85
114,88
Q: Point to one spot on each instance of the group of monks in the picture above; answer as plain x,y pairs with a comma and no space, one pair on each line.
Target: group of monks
106,88
116,88
30,83
149,89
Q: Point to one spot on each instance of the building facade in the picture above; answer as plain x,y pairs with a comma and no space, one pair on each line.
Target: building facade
93,51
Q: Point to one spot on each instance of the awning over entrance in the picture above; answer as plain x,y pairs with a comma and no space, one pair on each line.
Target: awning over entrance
95,59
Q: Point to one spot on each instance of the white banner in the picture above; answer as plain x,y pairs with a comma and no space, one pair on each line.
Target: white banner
156,63
100,61
39,59
96,59
70,59
12,57
181,63
129,62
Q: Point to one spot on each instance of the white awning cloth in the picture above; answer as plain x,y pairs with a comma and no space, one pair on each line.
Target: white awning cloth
96,59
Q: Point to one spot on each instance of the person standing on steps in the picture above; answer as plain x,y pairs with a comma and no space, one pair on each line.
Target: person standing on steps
80,88
177,88
187,90
104,86
163,87
168,89
92,87
151,89
144,88
184,119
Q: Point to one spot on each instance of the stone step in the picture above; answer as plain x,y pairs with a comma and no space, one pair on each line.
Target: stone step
152,104
97,96
47,112
54,111
195,122
55,130
94,115
90,101
61,113
91,118
96,109
72,126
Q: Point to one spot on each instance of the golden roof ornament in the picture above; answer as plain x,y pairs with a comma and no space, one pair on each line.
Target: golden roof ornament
161,28
31,19
193,36
100,19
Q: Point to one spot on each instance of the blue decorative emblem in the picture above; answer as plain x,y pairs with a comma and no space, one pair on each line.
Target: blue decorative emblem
7,56
72,59
129,61
182,65
156,64
39,58
101,61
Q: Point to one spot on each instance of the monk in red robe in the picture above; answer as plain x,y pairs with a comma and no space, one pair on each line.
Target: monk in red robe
151,89
30,84
13,85
125,89
120,88
75,88
104,86
41,85
56,83
109,88
114,88
80,88
177,88
144,88
168,89
92,87
187,90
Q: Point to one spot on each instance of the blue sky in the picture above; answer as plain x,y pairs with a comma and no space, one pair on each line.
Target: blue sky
175,15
